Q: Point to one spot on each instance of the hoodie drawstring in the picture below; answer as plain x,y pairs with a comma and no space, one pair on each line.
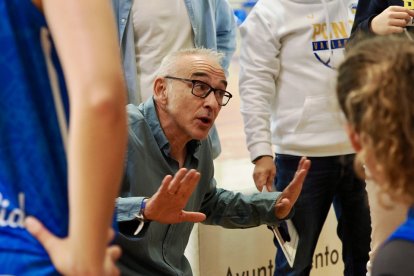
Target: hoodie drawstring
328,30
328,26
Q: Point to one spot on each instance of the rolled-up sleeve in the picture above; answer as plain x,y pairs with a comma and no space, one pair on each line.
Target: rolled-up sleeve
237,210
128,207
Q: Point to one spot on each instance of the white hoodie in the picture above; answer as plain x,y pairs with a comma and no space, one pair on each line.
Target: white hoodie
287,80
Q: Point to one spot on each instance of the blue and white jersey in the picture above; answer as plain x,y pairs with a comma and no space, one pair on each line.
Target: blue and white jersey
33,131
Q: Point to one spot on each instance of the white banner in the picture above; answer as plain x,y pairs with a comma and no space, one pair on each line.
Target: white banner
251,252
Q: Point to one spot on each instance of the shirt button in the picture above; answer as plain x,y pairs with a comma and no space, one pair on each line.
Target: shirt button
123,20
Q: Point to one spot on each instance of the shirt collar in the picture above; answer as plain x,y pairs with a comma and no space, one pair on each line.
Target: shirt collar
150,114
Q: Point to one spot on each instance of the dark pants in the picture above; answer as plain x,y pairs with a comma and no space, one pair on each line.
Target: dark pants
330,180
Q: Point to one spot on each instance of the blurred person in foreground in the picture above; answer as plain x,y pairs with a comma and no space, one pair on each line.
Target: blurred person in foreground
376,93
62,137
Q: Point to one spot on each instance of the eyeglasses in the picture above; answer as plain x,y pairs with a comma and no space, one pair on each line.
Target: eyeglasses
202,90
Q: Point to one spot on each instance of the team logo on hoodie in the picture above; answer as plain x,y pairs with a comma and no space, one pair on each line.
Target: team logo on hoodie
324,47
409,4
353,8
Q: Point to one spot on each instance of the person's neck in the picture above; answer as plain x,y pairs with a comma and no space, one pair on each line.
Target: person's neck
176,139
178,152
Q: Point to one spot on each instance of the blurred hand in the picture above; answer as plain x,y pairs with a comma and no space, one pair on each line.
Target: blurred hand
291,193
392,20
66,260
264,172
166,205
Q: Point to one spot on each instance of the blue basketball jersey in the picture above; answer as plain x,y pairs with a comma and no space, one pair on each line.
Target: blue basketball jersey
33,126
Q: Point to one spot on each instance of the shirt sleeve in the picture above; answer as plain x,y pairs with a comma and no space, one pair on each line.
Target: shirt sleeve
237,210
225,32
259,69
128,207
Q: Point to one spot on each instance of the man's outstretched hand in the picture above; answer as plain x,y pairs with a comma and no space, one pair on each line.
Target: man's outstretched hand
167,204
291,193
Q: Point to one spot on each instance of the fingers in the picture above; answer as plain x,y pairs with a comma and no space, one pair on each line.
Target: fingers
46,238
192,216
398,22
400,15
174,184
300,165
269,181
269,186
398,12
166,205
391,20
303,164
259,180
114,252
395,30
396,8
115,271
291,193
111,235
263,183
176,181
283,208
301,175
264,173
303,168
187,184
164,188
183,183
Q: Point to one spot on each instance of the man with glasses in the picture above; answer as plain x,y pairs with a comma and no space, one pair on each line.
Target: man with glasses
202,90
149,30
168,134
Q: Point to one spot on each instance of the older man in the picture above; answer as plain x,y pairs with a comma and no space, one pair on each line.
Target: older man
168,133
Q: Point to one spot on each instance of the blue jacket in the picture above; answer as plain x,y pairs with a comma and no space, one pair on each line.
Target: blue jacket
213,26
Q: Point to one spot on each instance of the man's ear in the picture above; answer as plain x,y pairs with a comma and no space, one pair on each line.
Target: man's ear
354,138
160,89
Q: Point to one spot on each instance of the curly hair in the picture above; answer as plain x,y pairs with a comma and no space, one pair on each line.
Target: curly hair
375,89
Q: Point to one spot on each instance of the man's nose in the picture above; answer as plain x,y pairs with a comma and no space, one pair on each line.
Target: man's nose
211,100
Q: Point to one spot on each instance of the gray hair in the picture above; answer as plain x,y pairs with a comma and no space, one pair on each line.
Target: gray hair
168,64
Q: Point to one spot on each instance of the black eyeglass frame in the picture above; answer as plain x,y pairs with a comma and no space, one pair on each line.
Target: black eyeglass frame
226,95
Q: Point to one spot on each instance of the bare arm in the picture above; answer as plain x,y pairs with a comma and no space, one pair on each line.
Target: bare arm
85,37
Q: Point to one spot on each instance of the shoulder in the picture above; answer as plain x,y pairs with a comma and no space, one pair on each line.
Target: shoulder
134,113
269,6
137,124
394,258
270,12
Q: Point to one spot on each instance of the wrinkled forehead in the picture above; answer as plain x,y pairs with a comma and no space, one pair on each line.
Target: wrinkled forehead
202,66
